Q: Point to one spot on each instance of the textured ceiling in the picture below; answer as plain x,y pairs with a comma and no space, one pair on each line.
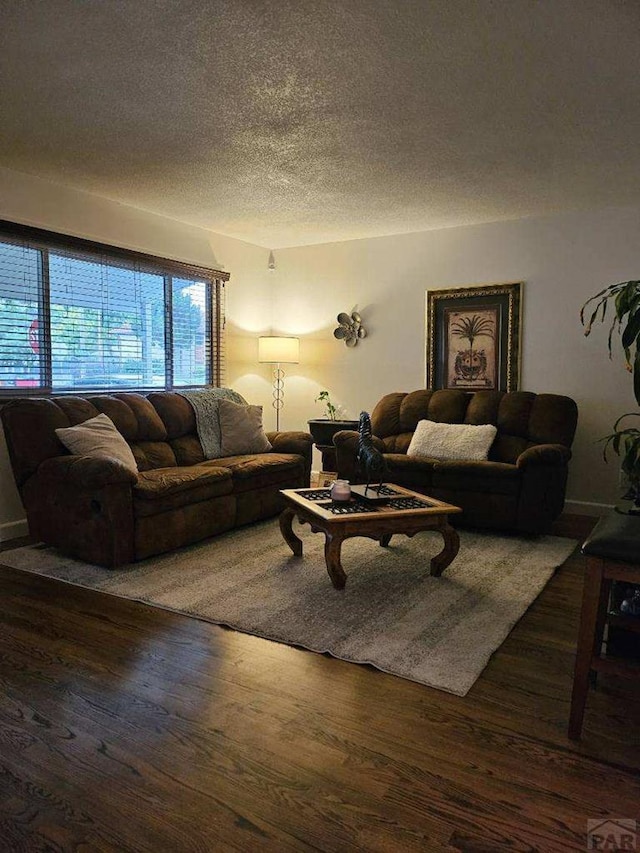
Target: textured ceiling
302,121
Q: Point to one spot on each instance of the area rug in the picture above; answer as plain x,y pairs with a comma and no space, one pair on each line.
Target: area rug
437,631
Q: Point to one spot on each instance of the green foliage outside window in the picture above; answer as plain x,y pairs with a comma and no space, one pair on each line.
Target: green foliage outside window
107,325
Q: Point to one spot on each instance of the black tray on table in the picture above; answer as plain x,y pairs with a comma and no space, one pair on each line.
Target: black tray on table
371,495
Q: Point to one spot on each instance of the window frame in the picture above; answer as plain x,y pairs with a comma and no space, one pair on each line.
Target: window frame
45,241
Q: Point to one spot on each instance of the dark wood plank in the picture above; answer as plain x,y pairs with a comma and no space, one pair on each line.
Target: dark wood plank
126,727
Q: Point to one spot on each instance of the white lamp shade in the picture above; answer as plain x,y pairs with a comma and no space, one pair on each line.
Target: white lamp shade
278,350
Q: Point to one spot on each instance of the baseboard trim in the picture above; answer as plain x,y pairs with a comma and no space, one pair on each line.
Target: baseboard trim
587,508
13,530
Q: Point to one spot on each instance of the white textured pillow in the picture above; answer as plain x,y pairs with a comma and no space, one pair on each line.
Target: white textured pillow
241,428
98,437
452,441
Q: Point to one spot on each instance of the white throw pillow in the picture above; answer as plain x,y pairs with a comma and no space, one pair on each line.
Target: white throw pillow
241,428
98,437
452,441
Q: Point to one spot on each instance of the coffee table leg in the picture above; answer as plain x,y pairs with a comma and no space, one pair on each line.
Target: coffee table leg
451,547
286,518
332,546
384,540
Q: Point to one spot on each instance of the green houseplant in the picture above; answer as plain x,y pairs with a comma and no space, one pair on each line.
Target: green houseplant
323,429
626,443
323,397
624,299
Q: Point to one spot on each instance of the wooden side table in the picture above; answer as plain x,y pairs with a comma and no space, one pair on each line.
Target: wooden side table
323,430
328,452
613,554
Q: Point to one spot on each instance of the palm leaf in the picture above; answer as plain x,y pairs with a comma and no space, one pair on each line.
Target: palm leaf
592,319
472,327
631,330
611,331
622,303
604,295
624,443
622,417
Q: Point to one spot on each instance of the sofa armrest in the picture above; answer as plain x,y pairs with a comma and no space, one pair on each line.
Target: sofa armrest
543,486
84,506
346,444
291,442
300,443
84,472
544,454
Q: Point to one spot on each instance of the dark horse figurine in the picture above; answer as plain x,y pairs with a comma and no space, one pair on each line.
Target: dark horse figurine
369,458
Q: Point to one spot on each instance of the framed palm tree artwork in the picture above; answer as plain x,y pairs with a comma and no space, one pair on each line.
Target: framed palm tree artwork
473,337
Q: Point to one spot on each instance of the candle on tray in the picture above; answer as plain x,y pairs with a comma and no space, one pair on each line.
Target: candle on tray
341,490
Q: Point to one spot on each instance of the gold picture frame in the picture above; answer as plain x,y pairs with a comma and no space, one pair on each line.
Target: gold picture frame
473,337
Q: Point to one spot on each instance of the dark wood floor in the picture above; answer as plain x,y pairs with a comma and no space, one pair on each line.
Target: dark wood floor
123,727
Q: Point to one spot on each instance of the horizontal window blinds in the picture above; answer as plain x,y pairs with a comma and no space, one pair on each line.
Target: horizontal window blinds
20,316
218,337
76,319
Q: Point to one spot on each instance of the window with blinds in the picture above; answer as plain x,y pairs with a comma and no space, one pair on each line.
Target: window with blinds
80,316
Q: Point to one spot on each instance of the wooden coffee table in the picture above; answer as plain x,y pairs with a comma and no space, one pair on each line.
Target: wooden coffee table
407,512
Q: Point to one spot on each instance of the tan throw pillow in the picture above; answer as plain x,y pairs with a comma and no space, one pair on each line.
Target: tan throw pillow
204,402
241,428
452,441
98,437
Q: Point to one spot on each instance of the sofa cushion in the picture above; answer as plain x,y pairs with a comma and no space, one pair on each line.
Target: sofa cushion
483,477
507,448
153,454
241,429
77,409
149,423
452,441
483,407
397,443
162,489
448,406
187,450
399,412
410,471
175,412
553,420
257,470
98,437
134,416
514,412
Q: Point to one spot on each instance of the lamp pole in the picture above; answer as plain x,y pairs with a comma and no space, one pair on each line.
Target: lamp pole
278,350
278,392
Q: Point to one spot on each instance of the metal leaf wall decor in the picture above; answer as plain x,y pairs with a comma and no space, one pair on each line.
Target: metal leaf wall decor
350,329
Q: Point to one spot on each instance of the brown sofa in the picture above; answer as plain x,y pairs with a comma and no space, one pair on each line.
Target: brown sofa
522,484
98,510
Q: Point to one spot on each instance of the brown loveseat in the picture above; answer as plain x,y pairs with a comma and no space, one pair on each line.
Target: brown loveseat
522,484
98,510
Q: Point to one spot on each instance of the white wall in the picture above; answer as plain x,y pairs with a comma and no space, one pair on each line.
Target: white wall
562,259
32,201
